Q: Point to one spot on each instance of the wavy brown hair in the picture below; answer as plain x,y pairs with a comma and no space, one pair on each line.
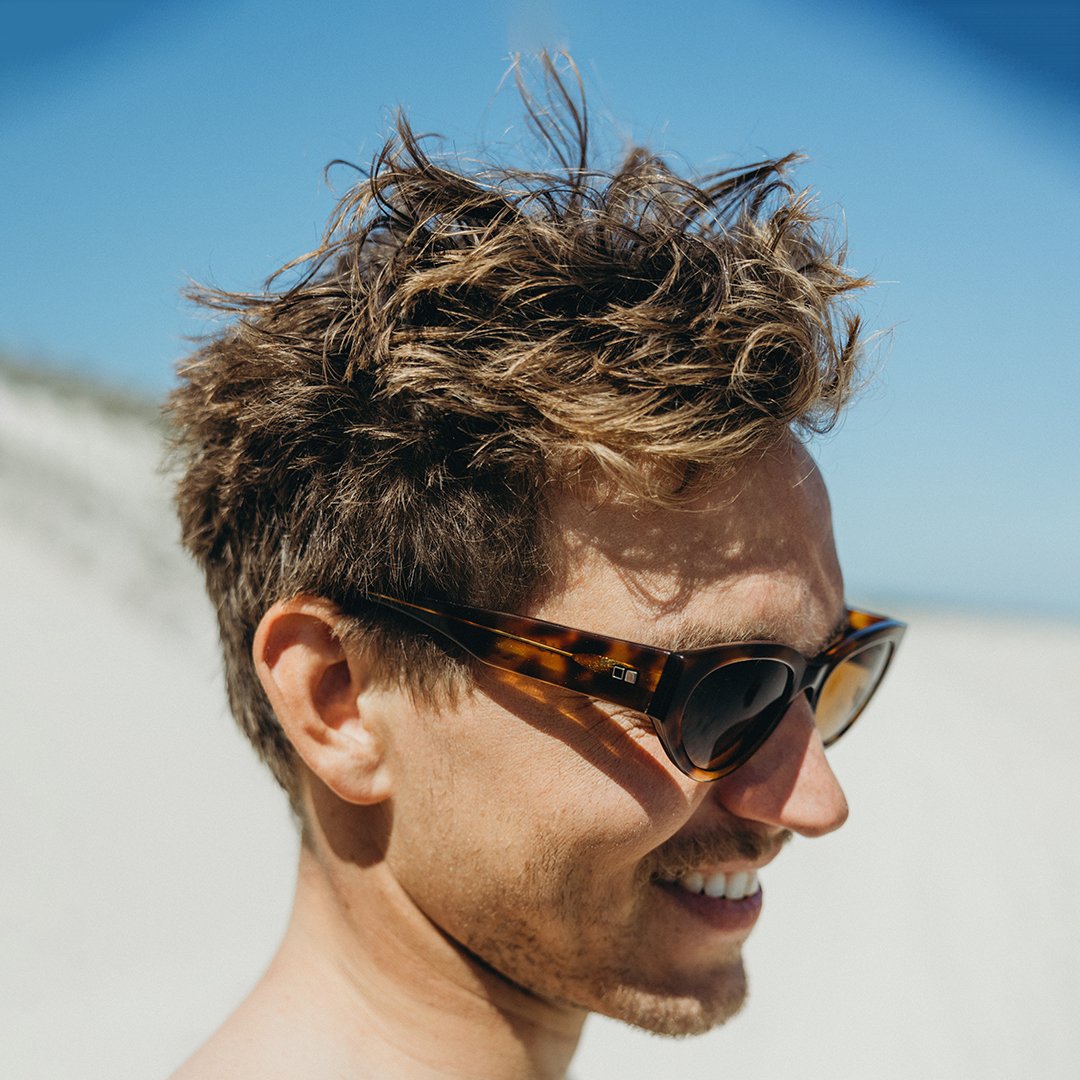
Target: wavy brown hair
467,339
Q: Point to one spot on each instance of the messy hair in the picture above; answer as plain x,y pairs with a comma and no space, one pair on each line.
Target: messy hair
394,411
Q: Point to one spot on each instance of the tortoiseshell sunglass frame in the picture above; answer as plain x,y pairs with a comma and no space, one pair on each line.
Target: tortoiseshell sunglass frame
653,681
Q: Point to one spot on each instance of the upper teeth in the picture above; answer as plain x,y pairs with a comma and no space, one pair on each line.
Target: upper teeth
729,886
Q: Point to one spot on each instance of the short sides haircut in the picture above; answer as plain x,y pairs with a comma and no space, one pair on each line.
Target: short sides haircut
393,412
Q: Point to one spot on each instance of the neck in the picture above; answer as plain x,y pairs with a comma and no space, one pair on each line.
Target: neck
370,971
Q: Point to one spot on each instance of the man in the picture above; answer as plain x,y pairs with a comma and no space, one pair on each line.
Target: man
441,476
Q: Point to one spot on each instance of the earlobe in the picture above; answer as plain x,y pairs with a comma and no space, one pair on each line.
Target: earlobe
319,690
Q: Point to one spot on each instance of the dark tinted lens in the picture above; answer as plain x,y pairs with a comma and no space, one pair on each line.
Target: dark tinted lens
732,709
848,688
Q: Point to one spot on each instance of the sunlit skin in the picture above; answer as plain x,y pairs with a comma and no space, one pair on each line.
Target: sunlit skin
481,873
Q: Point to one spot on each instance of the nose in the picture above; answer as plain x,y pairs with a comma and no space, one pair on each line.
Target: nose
788,783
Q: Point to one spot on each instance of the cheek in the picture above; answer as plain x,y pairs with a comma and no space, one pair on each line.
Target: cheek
483,792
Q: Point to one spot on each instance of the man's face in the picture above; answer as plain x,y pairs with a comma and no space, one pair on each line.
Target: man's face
542,830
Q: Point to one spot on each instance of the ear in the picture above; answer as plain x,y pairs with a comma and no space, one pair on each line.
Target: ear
319,691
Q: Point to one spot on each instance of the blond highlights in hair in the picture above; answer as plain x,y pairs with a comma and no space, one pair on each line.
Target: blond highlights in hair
464,341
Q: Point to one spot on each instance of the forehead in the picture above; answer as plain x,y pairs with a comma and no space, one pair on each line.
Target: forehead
749,558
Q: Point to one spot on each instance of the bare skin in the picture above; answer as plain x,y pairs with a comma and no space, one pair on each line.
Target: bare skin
480,874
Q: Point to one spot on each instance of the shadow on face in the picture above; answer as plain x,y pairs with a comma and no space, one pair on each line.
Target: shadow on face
605,740
357,835
751,557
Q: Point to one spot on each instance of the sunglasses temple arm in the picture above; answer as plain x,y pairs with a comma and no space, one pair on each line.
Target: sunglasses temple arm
617,681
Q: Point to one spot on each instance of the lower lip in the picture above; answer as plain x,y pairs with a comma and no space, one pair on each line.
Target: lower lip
731,915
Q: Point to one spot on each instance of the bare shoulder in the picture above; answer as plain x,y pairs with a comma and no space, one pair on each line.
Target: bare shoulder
261,1041
235,1052
257,1044
240,1051
234,1055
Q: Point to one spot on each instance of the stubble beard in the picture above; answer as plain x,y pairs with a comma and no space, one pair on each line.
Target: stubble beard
678,1014
605,966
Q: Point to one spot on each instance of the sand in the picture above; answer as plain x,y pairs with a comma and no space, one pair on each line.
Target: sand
148,860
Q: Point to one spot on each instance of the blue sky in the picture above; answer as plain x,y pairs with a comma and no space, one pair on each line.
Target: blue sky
148,144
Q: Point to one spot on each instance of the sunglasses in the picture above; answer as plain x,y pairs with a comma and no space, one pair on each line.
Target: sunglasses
711,708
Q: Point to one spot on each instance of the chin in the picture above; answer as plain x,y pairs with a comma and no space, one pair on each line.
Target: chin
678,1013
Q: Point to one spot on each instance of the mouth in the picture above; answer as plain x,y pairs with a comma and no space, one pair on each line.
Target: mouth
717,885
726,901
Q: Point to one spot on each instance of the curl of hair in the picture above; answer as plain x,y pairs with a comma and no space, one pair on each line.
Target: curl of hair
464,340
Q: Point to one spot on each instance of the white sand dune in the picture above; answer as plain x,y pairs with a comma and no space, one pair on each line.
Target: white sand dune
148,861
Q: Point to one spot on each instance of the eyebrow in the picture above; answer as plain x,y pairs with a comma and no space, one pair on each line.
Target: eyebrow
702,636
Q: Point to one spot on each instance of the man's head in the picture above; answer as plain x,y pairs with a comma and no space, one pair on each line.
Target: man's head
573,395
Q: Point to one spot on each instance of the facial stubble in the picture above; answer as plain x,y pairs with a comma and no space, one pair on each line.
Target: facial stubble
573,946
